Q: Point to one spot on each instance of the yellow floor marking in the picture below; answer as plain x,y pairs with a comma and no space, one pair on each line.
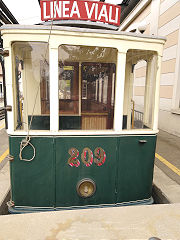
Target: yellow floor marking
168,164
2,126
2,157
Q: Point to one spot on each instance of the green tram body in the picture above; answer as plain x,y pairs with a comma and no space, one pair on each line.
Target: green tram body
119,160
125,177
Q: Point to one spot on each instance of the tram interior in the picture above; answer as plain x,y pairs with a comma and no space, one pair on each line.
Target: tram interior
87,81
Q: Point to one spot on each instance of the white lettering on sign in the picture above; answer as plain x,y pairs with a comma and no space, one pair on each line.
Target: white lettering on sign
103,13
44,11
65,9
89,13
80,10
57,9
75,10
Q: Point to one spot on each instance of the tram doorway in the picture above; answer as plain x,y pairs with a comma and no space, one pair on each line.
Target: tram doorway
86,95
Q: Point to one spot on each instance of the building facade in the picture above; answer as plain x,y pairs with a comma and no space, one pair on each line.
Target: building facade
1,83
159,17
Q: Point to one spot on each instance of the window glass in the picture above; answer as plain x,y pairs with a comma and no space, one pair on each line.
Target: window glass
86,87
139,85
68,88
31,79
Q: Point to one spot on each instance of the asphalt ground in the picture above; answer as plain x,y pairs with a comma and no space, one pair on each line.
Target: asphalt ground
168,147
3,144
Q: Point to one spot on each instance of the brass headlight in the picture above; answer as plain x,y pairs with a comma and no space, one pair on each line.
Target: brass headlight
86,188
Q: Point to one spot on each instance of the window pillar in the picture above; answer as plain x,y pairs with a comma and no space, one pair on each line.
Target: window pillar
54,97
9,90
119,92
147,95
128,93
156,92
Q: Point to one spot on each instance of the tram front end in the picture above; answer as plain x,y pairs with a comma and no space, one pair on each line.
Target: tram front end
82,132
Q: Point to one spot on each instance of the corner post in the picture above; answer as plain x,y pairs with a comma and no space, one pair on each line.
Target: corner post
119,91
156,94
54,96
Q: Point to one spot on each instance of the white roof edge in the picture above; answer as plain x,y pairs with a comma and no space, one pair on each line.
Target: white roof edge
75,29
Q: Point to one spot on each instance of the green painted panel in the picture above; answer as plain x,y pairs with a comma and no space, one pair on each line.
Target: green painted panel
39,122
67,177
135,167
69,122
49,181
33,183
65,122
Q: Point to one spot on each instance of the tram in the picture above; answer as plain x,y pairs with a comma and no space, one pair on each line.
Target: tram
74,138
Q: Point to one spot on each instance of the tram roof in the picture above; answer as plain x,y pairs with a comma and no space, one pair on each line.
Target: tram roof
75,29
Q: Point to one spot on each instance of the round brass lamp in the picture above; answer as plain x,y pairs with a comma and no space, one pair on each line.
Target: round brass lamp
86,187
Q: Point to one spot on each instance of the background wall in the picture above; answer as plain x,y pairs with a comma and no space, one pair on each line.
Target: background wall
161,17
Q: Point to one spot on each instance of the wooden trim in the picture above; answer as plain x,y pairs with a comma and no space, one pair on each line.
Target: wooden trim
94,114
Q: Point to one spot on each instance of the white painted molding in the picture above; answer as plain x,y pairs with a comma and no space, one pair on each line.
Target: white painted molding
154,22
9,88
54,97
157,63
136,11
119,91
85,133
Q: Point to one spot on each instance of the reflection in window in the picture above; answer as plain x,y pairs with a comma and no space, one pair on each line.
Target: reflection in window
65,82
19,92
68,88
31,78
97,77
86,87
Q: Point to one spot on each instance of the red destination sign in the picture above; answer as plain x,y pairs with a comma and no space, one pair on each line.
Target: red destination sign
80,10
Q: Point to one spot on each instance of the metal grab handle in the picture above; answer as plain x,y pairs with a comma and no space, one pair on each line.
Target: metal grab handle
143,141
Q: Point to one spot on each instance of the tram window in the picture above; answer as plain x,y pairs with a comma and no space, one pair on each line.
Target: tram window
139,85
31,80
86,87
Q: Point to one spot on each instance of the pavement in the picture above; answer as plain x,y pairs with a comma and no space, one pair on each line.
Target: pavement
115,223
168,146
4,169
